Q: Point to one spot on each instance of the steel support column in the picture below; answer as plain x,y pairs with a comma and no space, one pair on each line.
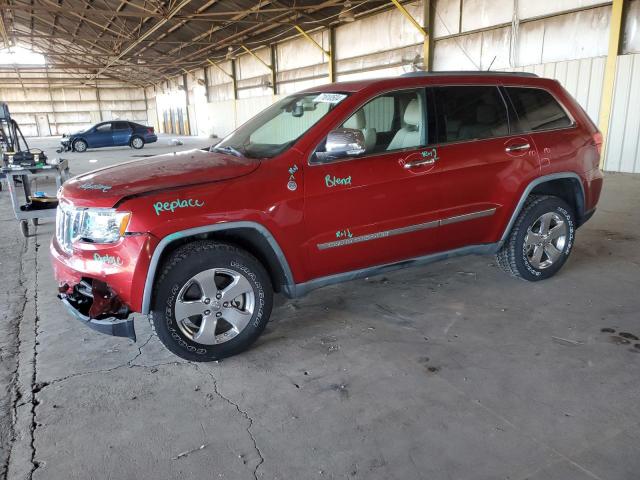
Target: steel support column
272,67
426,49
329,53
615,29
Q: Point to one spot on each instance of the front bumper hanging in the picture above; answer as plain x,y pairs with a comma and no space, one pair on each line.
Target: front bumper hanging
106,315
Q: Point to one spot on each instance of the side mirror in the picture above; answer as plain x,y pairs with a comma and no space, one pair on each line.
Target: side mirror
342,142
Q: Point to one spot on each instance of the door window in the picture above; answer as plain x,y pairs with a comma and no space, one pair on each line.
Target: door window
120,126
104,128
536,110
470,112
393,121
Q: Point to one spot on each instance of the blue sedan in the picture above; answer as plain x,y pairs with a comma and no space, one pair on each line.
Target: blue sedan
109,134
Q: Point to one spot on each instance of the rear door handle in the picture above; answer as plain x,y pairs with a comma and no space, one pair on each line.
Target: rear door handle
518,148
420,163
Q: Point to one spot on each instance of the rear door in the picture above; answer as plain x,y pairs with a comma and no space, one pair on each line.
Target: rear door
381,206
482,164
541,116
121,133
101,136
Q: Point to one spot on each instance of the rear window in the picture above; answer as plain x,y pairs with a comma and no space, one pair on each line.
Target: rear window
536,110
121,126
470,113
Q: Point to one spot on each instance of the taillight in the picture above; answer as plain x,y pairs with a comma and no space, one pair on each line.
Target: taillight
597,140
150,130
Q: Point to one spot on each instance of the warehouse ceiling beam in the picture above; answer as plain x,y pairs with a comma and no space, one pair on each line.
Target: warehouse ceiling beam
615,30
180,24
146,34
3,32
216,28
65,11
426,49
251,31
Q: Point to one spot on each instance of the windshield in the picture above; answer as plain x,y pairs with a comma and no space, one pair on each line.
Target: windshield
278,127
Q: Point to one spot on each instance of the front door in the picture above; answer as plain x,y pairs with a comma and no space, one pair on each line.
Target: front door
380,206
101,136
482,165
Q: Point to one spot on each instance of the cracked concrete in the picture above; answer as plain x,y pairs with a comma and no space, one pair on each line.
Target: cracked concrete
451,372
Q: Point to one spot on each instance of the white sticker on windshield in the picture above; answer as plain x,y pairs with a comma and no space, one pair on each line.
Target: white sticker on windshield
330,97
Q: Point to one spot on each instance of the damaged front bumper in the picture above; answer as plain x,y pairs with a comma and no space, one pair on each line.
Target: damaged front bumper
65,146
97,307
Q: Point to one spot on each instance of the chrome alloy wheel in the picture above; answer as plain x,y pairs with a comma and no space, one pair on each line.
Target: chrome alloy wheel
545,240
214,306
137,142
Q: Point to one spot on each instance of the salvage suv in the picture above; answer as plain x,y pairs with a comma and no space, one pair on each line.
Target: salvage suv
331,184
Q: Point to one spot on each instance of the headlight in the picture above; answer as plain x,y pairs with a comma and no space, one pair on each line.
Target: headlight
102,225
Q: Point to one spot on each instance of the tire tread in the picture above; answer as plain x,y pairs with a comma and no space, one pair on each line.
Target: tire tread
506,256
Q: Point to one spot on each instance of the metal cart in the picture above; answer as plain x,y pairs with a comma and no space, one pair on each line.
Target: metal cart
26,174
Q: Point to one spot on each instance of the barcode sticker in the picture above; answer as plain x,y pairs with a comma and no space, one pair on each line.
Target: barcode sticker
330,97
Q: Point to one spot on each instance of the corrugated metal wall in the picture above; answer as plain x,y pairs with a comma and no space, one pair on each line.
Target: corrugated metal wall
582,78
54,111
623,148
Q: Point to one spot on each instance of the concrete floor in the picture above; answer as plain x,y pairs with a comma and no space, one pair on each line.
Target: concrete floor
451,371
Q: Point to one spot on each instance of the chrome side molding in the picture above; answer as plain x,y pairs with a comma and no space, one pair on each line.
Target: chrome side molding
408,229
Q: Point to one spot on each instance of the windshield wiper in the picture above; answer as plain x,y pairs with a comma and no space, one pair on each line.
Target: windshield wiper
228,149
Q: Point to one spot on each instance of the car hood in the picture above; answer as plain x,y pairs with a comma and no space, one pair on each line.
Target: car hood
108,186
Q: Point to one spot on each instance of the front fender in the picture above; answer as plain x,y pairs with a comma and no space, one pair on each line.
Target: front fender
289,284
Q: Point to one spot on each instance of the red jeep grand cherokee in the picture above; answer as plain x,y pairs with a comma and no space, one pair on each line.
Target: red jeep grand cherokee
331,184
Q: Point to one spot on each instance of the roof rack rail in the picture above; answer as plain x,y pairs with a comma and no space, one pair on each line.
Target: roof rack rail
469,73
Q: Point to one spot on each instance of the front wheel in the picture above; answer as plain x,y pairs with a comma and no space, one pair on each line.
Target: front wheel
80,146
541,239
212,301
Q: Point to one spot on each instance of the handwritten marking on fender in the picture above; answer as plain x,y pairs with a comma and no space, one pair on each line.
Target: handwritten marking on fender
108,259
172,206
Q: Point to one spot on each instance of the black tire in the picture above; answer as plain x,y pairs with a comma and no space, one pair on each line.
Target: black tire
515,256
179,269
80,146
137,142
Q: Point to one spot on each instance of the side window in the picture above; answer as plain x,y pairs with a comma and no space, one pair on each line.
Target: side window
121,126
105,127
536,110
392,121
470,113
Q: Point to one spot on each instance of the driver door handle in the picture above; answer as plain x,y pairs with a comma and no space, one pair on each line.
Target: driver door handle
518,148
419,163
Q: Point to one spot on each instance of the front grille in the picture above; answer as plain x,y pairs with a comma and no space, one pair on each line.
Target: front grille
67,226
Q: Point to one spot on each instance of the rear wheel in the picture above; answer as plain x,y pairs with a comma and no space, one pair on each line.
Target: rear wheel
212,300
540,241
80,146
137,143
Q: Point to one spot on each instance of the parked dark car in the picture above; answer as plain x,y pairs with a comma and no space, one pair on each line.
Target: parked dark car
109,134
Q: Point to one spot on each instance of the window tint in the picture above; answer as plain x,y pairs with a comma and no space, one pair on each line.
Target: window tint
392,121
536,110
121,126
470,112
105,127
